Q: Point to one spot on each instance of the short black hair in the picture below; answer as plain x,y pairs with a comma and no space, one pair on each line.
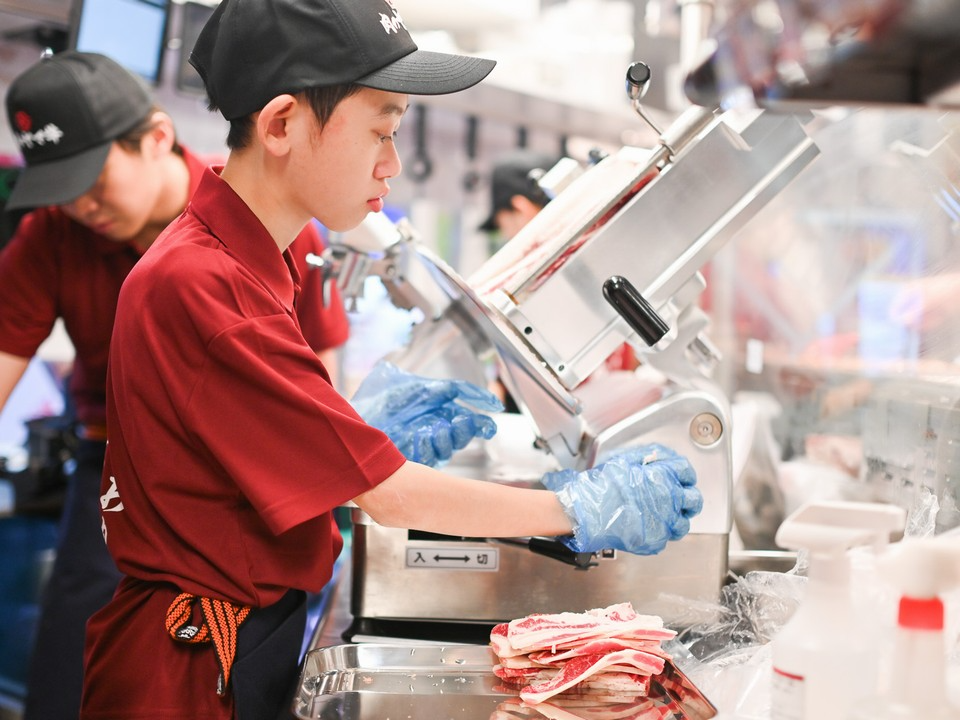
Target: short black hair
323,101
130,140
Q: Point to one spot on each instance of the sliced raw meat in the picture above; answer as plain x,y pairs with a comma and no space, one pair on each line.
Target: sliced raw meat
611,650
520,661
523,674
501,643
580,668
540,632
620,682
594,647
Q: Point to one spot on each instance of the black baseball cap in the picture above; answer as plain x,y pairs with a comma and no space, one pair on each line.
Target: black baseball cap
65,112
517,174
250,51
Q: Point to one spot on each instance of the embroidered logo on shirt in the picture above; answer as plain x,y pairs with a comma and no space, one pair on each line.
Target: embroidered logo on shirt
110,500
392,22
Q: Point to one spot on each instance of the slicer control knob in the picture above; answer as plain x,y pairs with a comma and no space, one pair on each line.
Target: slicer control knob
706,429
638,80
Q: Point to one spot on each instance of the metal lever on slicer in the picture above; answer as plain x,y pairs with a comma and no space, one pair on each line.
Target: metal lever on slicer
638,82
328,273
633,308
558,551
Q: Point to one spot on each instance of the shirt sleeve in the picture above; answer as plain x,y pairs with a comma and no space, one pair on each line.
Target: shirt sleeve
294,446
28,286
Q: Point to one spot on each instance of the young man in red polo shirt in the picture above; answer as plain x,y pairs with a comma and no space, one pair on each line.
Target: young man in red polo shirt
229,449
105,169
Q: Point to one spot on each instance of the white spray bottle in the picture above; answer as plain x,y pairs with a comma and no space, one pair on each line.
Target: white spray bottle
823,660
915,682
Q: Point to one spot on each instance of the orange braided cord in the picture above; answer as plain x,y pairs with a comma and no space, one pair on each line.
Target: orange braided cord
221,619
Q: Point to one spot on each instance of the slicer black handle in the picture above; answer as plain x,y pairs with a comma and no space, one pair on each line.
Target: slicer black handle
633,308
558,551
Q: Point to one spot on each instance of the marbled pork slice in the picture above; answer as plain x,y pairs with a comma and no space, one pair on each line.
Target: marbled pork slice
580,668
595,647
550,631
501,643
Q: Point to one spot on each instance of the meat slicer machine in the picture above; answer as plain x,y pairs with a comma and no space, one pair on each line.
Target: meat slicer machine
614,258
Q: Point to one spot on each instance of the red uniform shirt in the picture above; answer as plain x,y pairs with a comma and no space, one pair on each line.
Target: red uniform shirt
228,450
54,267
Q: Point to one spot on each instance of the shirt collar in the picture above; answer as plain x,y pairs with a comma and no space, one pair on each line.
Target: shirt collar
235,225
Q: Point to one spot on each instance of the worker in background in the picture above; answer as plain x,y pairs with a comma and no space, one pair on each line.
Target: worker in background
228,446
106,174
516,198
515,193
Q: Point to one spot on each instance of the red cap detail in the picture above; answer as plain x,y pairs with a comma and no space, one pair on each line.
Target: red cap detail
921,613
23,121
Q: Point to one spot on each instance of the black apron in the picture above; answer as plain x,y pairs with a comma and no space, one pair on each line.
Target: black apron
265,672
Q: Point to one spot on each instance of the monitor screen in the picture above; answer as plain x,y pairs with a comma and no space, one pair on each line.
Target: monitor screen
132,32
195,16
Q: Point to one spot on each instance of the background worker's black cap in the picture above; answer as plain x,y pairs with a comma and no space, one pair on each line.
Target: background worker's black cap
65,112
250,51
517,174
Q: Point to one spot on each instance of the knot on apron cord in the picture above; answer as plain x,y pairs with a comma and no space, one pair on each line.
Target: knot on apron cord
219,626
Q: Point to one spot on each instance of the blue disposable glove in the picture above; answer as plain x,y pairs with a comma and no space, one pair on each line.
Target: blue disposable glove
423,416
635,501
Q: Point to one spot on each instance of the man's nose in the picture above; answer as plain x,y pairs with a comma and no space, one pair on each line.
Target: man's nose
391,166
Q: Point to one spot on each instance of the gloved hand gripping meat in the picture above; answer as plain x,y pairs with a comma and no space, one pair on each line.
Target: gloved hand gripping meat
636,501
426,418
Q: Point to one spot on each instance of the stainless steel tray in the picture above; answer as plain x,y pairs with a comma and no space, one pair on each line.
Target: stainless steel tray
445,682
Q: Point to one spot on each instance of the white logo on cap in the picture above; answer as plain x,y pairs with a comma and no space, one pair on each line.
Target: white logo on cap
392,23
49,133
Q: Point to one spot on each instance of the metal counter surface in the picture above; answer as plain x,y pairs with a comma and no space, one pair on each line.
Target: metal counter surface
337,622
374,681
373,678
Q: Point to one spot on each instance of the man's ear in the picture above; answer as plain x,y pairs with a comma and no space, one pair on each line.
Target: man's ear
525,206
271,124
159,140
